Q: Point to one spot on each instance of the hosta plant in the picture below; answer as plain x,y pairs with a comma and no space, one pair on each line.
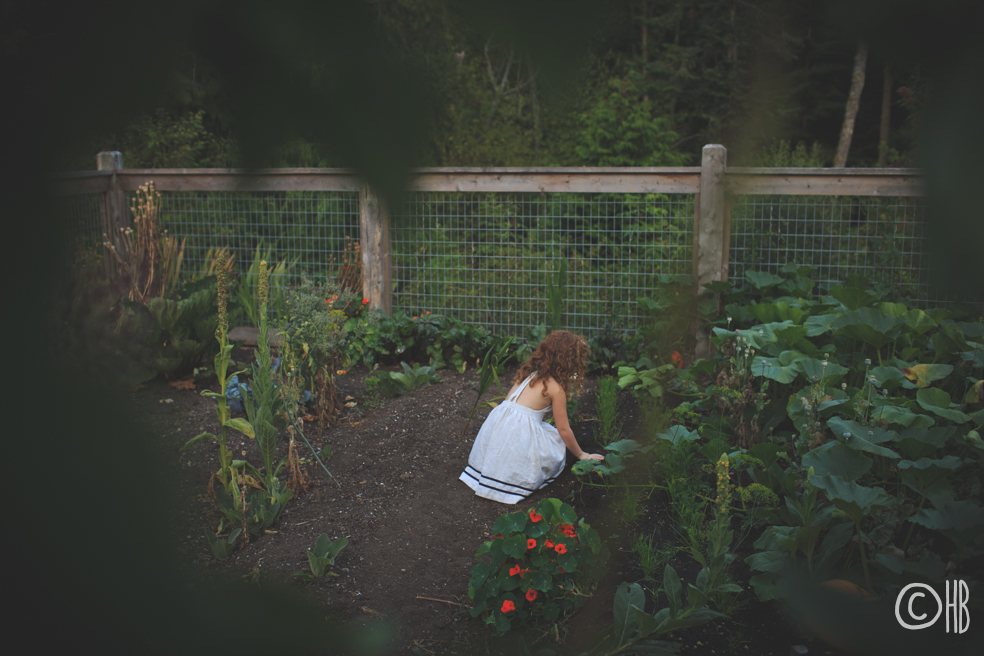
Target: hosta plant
542,563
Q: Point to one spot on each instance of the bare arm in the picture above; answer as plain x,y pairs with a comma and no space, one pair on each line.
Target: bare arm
559,401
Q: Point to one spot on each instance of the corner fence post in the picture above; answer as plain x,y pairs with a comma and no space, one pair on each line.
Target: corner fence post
112,206
374,242
712,232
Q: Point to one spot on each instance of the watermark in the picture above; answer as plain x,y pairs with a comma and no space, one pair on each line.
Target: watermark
957,603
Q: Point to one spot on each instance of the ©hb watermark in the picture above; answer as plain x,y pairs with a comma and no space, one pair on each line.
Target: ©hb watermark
958,602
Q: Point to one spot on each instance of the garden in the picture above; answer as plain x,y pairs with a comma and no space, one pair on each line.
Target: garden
774,496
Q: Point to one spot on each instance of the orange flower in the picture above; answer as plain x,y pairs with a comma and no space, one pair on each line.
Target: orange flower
341,372
516,569
561,549
428,312
530,595
508,606
365,300
548,544
677,359
530,543
534,516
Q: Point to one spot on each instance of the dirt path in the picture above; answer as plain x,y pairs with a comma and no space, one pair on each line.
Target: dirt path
413,527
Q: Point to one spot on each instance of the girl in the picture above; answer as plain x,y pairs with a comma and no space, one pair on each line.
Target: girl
516,452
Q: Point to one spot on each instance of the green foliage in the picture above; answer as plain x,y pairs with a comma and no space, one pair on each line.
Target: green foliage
222,548
432,338
609,422
412,378
542,565
173,140
247,291
176,333
556,288
622,129
781,154
860,423
323,556
493,365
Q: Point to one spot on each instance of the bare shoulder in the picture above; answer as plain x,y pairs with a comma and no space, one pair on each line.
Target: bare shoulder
553,387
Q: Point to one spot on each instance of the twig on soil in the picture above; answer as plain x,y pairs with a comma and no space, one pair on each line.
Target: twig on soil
453,603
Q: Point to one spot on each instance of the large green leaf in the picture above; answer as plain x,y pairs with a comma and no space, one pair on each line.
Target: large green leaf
919,321
677,434
626,596
815,371
946,462
838,459
818,324
869,325
762,279
855,500
932,483
899,414
890,378
781,369
778,311
961,521
924,374
242,426
938,402
852,298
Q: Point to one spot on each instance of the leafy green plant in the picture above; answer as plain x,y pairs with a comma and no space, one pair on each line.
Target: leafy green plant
412,378
556,288
646,378
222,548
323,556
247,293
436,339
636,630
493,365
652,557
228,474
609,423
316,329
542,564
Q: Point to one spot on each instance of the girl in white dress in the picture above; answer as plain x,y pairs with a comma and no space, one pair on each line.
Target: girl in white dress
516,453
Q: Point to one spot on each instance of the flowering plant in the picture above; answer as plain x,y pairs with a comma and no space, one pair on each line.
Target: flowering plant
543,563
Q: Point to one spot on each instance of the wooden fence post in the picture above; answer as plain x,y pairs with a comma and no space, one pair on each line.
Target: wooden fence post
711,230
112,206
374,241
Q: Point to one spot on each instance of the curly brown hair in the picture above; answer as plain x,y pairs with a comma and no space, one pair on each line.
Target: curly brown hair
560,356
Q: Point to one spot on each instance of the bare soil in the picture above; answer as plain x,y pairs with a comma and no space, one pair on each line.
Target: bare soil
413,527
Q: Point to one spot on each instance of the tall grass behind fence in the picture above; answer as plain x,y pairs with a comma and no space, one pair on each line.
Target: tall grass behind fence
305,227
484,258
879,238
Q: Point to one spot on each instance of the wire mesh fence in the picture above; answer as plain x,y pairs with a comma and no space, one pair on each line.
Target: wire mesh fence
880,239
485,258
81,220
307,229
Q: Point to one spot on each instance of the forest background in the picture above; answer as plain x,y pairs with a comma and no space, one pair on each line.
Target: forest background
652,82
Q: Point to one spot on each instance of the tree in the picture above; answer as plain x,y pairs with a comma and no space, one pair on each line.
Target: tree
853,101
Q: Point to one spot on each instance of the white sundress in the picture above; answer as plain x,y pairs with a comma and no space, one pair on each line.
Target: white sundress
515,454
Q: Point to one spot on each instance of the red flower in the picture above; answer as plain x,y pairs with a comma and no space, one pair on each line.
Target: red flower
516,569
562,570
508,606
498,536
677,359
548,544
530,543
530,595
534,516
365,301
561,549
428,312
